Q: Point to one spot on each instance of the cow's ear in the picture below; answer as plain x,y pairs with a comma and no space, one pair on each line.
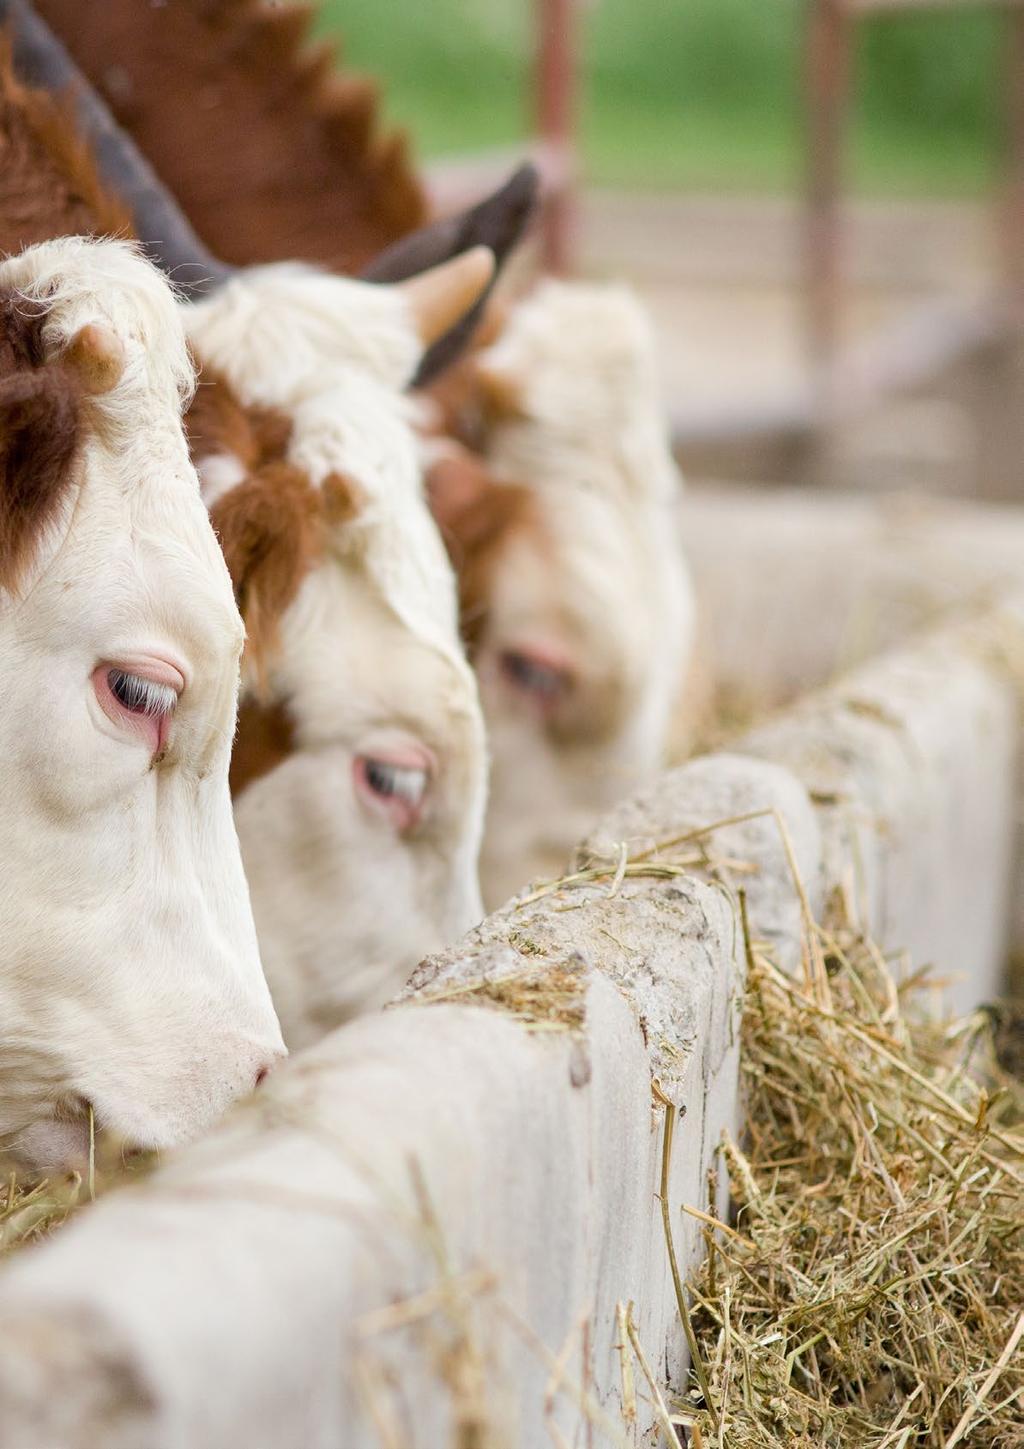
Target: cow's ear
471,507
498,223
456,483
269,531
40,427
499,388
96,356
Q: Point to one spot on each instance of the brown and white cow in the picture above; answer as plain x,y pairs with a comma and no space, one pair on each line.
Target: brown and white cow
360,765
576,599
130,980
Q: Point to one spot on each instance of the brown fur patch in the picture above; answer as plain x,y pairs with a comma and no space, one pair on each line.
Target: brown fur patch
270,531
40,430
343,499
270,525
265,738
49,184
269,153
463,405
218,422
476,514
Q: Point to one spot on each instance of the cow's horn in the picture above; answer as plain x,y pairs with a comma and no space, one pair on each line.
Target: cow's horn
439,297
498,222
41,61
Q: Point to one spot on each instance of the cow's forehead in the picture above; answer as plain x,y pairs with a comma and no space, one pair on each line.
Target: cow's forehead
181,565
136,564
350,660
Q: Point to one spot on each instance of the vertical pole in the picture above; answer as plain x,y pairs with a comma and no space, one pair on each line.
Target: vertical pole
826,82
995,377
1012,211
556,62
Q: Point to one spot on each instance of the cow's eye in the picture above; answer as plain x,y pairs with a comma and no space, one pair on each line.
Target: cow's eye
140,704
396,787
545,683
141,696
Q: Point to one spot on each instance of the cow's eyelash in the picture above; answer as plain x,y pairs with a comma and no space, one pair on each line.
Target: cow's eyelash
141,696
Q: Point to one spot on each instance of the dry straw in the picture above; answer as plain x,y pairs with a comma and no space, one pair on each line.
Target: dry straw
31,1209
873,1295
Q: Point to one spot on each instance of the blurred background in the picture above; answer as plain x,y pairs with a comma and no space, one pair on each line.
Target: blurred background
822,200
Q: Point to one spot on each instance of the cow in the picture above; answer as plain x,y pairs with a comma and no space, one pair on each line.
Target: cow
360,770
576,599
131,992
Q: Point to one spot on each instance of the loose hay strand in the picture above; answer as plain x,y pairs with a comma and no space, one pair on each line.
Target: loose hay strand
986,1388
661,1412
696,1361
872,1296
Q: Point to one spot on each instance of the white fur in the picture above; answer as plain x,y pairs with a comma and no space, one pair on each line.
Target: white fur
599,579
281,331
129,971
370,657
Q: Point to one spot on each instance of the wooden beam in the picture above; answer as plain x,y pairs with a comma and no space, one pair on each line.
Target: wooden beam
1011,213
557,64
827,61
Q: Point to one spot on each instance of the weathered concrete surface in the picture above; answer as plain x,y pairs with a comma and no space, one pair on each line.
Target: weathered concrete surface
749,853
795,588
226,1301
912,763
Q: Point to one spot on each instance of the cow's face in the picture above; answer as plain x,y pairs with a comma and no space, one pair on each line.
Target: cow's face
361,839
575,596
130,981
359,770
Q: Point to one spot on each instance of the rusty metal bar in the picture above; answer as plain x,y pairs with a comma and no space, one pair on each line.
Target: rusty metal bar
556,63
1011,219
827,85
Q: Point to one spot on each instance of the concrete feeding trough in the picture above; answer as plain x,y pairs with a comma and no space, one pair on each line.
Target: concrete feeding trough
428,1230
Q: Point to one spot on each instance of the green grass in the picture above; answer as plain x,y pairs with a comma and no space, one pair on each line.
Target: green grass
700,93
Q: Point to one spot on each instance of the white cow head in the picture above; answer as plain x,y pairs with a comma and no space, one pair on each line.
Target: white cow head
576,599
130,980
360,771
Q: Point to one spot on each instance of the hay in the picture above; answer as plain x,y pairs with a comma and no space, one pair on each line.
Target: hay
33,1208
30,1210
873,1293
550,996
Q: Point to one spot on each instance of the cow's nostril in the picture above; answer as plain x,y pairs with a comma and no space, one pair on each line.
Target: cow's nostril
261,1076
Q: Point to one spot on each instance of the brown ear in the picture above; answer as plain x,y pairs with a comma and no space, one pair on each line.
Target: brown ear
96,355
457,483
269,531
40,419
499,391
476,514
